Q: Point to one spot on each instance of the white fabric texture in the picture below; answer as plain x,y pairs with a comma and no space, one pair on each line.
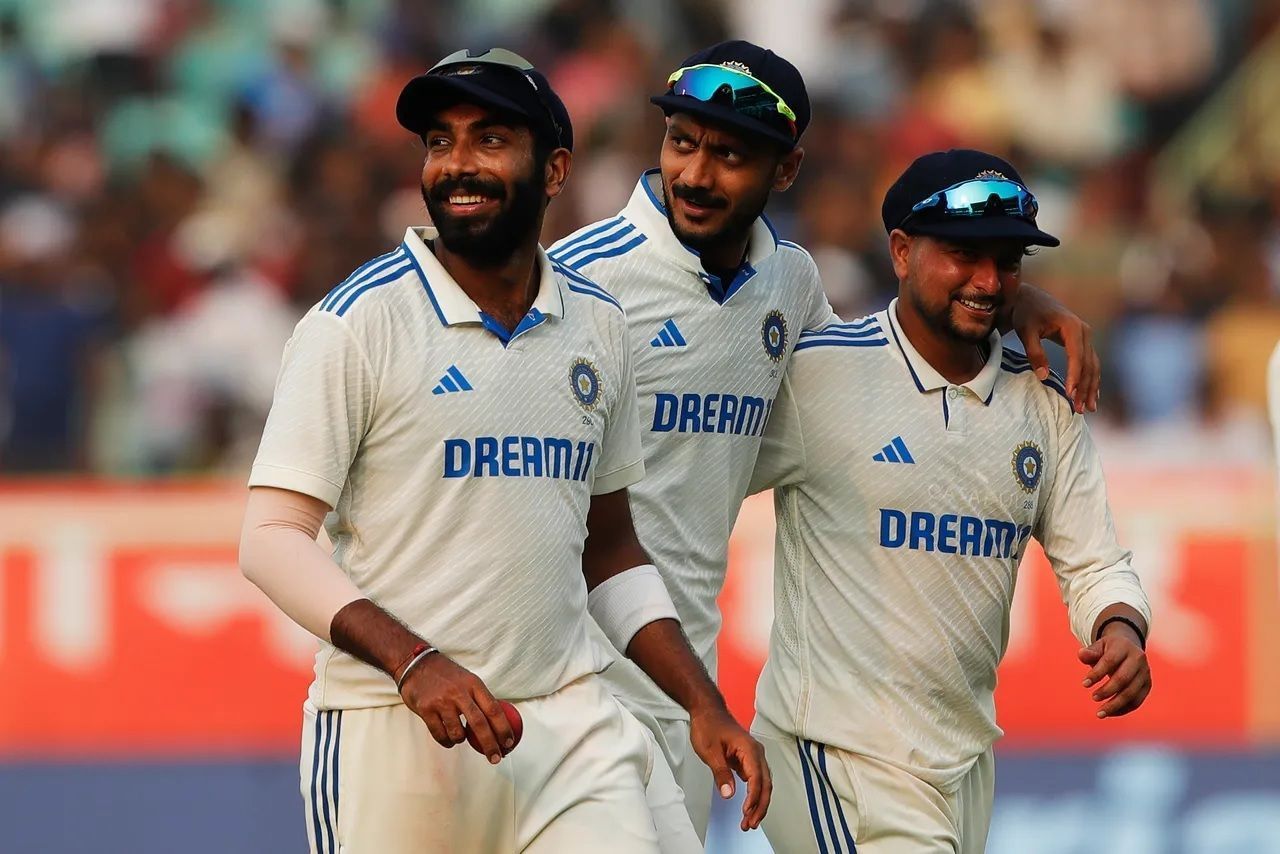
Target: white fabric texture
694,353
904,506
460,468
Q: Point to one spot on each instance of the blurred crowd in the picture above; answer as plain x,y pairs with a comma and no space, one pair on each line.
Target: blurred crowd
181,179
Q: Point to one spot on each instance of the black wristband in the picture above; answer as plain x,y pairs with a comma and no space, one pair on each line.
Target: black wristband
1142,639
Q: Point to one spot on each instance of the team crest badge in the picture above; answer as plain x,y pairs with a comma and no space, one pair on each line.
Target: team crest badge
584,380
773,334
1027,462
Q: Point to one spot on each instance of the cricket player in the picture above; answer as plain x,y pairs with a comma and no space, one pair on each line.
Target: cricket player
715,302
462,418
913,457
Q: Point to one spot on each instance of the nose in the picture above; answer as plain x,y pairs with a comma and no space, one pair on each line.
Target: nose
695,172
986,275
460,160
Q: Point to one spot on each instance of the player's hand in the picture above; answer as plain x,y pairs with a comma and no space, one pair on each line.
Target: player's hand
440,691
1117,657
1037,316
727,748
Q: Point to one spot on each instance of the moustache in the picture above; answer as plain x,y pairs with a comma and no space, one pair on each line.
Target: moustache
702,198
447,187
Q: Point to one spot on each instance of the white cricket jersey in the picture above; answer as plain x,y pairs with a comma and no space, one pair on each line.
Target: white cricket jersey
904,504
709,357
460,461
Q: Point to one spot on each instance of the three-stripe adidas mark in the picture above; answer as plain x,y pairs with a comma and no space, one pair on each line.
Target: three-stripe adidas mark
669,336
894,452
452,381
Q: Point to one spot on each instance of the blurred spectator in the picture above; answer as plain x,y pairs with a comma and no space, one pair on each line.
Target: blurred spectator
48,328
206,170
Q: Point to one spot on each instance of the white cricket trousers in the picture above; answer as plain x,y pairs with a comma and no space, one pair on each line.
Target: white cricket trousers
375,782
830,801
680,787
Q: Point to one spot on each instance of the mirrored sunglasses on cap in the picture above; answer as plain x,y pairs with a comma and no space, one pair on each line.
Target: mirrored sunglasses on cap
462,62
979,197
737,89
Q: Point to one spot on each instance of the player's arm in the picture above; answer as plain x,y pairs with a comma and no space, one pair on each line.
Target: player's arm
1036,316
280,554
1108,609
324,402
628,600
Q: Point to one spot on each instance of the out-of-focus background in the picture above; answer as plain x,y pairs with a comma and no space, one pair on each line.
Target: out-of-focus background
181,179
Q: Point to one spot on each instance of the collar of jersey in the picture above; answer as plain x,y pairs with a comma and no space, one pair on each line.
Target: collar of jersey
646,210
927,378
450,301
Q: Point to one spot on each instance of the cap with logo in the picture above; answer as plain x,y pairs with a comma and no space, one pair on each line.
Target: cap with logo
496,78
962,194
742,85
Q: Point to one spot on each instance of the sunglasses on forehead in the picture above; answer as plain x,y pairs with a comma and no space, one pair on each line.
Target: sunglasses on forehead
978,197
724,85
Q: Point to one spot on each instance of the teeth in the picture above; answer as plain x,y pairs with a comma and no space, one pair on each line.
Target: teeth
466,200
976,306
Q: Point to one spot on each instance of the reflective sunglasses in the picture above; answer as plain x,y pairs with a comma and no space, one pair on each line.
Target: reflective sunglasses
746,94
978,197
461,63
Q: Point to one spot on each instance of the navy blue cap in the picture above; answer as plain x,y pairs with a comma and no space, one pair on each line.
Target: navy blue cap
496,78
762,64
942,169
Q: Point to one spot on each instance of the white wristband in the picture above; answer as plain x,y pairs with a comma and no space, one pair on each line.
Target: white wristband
629,601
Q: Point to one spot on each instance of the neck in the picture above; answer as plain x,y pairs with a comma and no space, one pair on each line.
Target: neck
726,254
505,290
957,360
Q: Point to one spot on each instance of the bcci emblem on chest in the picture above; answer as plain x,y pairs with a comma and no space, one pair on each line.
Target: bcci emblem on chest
1027,462
584,380
773,334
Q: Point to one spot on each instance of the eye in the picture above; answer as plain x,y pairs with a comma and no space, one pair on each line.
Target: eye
436,141
681,143
492,139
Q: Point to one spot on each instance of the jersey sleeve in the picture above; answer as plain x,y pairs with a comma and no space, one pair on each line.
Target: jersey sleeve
621,458
324,401
820,313
781,460
1078,536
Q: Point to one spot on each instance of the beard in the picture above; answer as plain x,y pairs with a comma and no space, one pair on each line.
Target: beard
942,319
490,242
736,226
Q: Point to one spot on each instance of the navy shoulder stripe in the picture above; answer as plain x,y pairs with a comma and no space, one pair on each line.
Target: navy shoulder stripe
579,283
604,242
345,295
361,274
568,244
581,261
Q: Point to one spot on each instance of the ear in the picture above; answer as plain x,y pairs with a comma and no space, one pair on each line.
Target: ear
788,168
900,252
556,172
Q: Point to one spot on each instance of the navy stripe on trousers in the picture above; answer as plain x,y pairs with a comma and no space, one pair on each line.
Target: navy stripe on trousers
323,802
813,764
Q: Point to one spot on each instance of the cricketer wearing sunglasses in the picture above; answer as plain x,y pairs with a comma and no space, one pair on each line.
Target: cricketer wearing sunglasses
715,302
912,459
461,415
